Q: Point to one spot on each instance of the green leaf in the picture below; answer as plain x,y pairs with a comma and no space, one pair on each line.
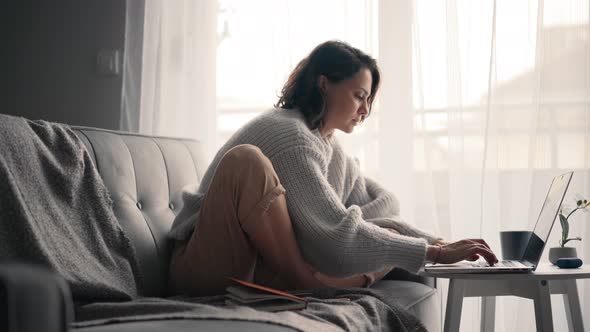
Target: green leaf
565,227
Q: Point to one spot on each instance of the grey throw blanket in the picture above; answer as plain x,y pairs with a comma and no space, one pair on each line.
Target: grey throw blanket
56,211
367,310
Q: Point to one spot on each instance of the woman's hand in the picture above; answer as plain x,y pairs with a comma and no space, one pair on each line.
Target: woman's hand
357,280
469,249
440,242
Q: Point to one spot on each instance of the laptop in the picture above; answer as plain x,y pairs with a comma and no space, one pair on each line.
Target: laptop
534,249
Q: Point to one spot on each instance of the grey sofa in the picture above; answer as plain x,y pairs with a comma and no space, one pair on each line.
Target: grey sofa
145,176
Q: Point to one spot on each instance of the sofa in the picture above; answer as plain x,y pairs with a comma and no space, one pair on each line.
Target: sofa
145,176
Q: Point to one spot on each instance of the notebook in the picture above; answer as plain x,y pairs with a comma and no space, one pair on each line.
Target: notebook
263,298
535,246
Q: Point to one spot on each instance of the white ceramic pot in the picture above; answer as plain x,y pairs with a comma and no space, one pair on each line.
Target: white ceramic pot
556,253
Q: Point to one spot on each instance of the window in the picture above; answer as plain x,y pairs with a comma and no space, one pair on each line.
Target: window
538,95
261,41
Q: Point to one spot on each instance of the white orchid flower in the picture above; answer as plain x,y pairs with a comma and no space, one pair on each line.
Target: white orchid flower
566,211
583,203
578,198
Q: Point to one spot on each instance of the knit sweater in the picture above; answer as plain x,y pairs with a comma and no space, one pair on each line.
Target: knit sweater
339,216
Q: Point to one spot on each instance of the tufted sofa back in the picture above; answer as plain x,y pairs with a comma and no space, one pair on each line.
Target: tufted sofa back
145,176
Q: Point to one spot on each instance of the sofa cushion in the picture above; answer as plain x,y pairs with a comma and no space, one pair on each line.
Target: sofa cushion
145,176
421,300
187,325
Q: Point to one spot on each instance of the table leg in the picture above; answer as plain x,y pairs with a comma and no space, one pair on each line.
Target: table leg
572,306
542,299
454,305
488,313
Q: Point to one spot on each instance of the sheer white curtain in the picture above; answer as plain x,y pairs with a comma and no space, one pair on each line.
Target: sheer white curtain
178,70
501,104
482,102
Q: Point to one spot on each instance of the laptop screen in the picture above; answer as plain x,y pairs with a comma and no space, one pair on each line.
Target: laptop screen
534,249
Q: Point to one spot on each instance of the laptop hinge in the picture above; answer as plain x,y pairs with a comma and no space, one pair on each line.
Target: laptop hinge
527,263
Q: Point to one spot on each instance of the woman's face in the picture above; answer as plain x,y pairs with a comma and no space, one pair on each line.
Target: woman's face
346,102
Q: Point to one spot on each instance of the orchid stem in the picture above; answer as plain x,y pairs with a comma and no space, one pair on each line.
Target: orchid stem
568,216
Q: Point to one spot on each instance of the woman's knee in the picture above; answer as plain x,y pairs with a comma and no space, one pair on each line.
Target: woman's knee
244,150
247,157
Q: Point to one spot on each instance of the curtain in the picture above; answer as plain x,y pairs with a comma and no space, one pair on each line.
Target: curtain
500,105
178,76
481,104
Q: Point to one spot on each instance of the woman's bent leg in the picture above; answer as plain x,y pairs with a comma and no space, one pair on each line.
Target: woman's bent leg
281,264
244,231
219,247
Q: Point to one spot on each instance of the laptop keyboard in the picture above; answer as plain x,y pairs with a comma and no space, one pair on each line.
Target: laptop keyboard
499,264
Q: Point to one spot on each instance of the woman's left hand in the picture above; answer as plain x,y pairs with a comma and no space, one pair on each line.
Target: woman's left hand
440,242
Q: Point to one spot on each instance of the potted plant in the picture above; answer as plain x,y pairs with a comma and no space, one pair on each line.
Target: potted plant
565,213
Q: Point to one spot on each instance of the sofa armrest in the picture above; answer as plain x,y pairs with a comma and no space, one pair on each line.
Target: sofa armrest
33,298
400,274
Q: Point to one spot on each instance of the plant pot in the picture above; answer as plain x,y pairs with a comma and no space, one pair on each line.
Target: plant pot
556,253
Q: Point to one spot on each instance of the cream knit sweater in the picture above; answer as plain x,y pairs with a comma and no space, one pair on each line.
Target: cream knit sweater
338,215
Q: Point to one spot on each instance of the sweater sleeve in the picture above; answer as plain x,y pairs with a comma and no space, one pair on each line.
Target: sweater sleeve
334,239
403,228
373,200
380,207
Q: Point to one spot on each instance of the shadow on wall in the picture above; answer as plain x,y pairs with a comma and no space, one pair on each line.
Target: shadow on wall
51,50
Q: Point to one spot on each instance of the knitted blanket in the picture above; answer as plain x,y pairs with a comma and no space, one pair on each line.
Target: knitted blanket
368,310
56,211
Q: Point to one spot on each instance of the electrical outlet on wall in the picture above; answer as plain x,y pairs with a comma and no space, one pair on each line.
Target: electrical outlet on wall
107,63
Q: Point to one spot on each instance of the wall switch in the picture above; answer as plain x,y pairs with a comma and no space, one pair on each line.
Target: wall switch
107,63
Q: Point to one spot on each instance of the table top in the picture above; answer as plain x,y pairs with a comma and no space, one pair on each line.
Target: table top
544,271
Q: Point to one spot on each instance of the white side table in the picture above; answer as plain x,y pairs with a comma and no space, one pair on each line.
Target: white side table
538,286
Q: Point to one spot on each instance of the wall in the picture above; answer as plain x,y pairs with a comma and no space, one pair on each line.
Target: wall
48,60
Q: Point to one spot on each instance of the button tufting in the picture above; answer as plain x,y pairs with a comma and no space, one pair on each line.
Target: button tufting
138,205
171,206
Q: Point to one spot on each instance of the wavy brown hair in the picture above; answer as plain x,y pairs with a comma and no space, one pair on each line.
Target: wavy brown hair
337,61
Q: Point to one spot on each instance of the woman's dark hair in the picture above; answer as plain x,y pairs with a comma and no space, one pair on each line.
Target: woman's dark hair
337,61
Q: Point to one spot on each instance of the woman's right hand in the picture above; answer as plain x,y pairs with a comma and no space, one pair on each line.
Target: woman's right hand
469,249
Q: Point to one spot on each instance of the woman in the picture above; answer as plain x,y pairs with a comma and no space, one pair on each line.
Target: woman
283,206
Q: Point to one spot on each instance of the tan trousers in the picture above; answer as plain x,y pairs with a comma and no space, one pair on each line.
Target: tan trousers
244,231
